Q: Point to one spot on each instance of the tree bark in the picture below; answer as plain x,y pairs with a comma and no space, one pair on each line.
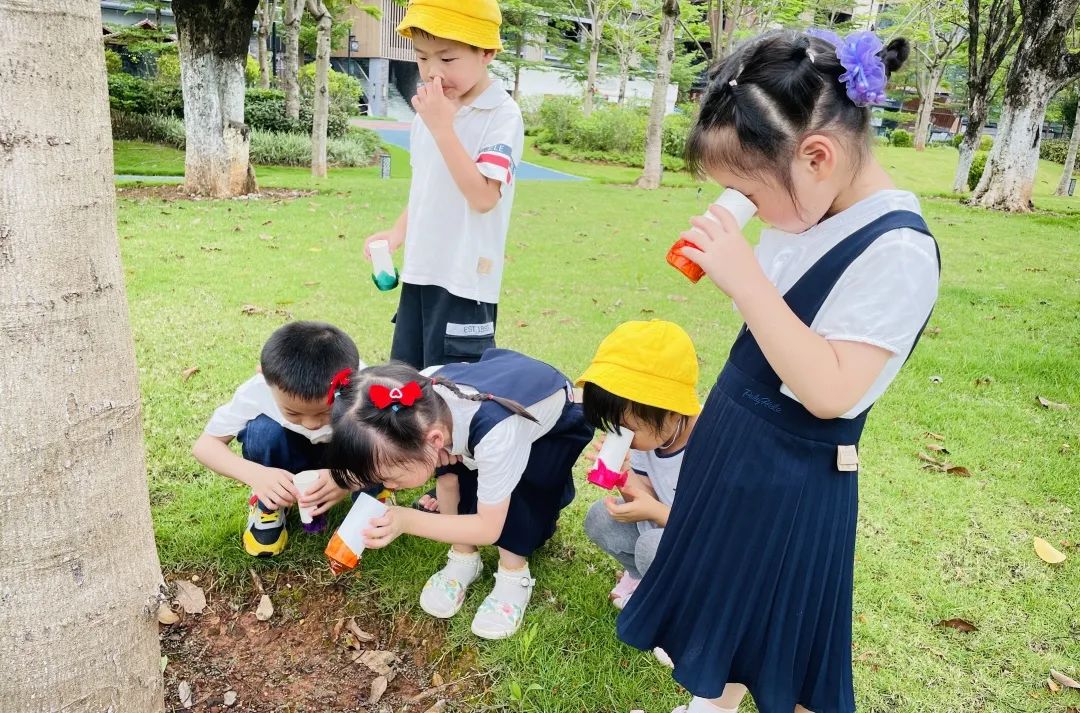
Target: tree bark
654,134
267,10
729,42
594,61
214,39
294,10
320,110
624,77
927,92
1070,160
79,573
978,110
1042,66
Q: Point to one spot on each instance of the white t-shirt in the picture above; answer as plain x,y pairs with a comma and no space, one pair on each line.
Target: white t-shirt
884,296
662,470
251,400
502,454
446,242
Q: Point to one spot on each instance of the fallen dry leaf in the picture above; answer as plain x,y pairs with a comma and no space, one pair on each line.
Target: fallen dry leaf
190,597
378,688
437,708
230,698
265,609
937,448
166,616
381,662
362,636
936,379
1053,685
1064,680
931,331
338,626
257,581
189,372
1065,448
311,283
548,312
935,436
522,323
958,470
252,309
928,459
184,690
1052,405
1047,553
959,624
678,298
436,679
983,381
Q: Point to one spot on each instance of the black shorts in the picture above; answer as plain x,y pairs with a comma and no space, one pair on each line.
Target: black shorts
434,327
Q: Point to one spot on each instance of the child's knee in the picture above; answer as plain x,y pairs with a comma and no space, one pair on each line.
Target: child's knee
645,549
598,522
263,441
448,483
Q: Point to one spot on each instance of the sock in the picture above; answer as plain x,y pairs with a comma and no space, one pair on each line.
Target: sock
508,587
704,705
462,567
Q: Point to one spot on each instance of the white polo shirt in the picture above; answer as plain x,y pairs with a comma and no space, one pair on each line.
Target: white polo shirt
447,243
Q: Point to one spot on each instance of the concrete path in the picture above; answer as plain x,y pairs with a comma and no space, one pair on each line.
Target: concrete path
397,133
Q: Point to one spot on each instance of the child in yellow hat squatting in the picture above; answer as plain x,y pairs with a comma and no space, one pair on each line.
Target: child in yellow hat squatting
643,378
466,141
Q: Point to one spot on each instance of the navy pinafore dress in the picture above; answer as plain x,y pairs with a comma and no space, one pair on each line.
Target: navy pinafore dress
752,582
547,485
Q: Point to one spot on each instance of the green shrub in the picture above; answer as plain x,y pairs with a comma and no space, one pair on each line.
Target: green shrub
251,71
154,128
113,62
978,163
610,128
1056,150
558,115
166,98
956,141
986,143
264,110
676,129
130,94
345,91
168,67
530,113
901,138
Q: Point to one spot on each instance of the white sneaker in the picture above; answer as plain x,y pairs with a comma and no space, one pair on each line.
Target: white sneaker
662,657
501,613
444,592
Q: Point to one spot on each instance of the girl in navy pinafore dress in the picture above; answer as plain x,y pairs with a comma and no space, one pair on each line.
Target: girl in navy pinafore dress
752,584
503,432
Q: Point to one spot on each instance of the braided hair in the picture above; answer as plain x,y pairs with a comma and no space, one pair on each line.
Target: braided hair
368,438
769,94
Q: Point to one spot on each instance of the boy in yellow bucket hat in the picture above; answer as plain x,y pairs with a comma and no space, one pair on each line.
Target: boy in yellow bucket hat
465,142
643,378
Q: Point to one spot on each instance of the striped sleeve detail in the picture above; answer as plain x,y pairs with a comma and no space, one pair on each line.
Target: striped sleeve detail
497,163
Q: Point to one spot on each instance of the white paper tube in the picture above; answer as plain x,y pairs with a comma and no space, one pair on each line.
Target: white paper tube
741,207
305,481
380,257
352,529
613,452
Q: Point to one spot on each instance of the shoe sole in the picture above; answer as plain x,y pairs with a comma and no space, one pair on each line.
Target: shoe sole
494,636
441,615
256,549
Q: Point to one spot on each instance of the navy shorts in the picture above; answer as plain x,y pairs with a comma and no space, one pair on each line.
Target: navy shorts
433,327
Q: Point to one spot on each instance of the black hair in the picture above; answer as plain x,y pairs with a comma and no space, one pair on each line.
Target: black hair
605,411
368,438
301,358
770,93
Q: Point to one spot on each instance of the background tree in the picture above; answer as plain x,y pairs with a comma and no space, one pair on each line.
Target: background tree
654,167
937,36
525,22
631,30
992,32
293,11
320,110
1043,65
214,38
597,11
79,575
267,14
1069,110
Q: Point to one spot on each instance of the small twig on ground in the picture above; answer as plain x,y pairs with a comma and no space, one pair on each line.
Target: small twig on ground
438,689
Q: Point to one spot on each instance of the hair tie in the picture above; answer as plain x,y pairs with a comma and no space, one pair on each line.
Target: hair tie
810,55
340,379
859,54
395,398
733,84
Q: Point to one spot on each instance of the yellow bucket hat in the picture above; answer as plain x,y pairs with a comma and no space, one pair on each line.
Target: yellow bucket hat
471,22
651,363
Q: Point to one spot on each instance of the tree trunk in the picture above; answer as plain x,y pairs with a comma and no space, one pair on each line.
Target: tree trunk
926,107
624,77
732,26
294,10
594,61
516,94
79,574
654,134
972,137
320,109
1009,176
1041,67
266,17
1070,160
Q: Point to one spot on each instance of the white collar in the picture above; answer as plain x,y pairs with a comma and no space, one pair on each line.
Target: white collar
491,97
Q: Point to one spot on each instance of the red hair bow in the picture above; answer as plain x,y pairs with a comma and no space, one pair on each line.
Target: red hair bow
383,396
340,379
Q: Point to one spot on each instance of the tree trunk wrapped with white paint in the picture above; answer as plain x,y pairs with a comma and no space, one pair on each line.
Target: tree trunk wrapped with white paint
79,574
321,98
1070,160
214,40
294,11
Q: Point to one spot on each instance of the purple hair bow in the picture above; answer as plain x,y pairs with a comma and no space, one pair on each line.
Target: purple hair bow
865,77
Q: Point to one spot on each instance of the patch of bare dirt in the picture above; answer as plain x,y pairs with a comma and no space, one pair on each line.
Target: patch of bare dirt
176,192
319,650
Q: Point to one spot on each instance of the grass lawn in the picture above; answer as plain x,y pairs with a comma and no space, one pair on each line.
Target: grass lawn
582,258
